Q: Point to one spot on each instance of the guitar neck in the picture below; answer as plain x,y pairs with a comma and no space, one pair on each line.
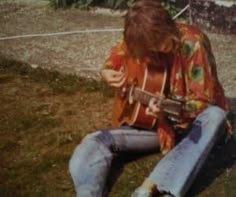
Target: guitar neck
167,105
144,97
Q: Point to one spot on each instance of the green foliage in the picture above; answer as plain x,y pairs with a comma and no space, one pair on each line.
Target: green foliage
170,6
58,3
113,4
85,3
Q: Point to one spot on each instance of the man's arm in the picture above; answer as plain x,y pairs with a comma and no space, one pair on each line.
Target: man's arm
111,70
199,78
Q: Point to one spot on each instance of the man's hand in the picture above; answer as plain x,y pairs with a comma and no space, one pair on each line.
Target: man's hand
113,78
152,108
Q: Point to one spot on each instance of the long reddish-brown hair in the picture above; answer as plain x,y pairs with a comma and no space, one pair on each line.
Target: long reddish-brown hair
147,24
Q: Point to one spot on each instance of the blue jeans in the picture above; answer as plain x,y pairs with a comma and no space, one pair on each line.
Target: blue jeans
91,161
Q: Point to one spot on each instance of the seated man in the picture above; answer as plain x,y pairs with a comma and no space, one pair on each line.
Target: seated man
181,55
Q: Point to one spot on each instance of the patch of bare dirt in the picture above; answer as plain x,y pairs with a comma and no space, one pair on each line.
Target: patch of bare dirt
70,53
83,54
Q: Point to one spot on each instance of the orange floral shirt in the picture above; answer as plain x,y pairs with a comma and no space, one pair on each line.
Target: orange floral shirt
193,73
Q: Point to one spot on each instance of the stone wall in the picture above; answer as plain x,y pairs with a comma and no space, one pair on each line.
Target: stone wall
216,15
181,3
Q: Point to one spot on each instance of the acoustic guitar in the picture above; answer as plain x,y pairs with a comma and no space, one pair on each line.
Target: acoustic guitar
143,83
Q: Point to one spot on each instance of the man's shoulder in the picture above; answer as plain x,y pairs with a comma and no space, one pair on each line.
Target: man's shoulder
192,38
190,33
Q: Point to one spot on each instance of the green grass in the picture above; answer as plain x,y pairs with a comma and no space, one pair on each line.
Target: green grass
45,114
60,83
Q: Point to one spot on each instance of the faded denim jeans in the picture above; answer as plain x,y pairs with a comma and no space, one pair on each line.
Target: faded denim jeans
91,161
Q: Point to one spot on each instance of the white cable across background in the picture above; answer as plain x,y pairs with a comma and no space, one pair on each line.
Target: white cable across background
59,33
181,11
77,32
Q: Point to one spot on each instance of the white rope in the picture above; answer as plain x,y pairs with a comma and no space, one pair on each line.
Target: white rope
87,69
181,11
59,33
77,32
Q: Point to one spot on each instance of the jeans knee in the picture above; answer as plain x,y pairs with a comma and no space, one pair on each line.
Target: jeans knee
74,160
84,145
212,114
93,140
103,137
91,136
93,147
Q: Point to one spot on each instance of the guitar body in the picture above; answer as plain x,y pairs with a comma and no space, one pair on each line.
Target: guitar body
129,112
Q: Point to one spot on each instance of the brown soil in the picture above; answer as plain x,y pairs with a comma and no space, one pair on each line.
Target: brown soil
72,53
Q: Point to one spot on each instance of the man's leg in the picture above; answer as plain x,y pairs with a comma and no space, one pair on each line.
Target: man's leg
175,173
90,163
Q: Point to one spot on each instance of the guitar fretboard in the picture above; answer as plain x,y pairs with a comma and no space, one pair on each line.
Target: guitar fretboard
144,97
167,105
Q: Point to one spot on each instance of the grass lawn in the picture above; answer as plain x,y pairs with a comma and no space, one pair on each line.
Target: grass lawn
45,114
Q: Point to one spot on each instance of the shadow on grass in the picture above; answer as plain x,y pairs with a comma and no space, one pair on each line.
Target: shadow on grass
59,82
129,170
220,162
218,166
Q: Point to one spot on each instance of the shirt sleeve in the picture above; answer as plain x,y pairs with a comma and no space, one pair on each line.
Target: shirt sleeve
116,57
199,79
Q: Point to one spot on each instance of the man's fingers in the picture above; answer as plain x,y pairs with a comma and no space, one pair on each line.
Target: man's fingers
119,82
118,74
117,77
110,75
153,105
149,112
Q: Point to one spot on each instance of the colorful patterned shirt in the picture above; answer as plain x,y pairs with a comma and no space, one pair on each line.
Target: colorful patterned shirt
193,74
